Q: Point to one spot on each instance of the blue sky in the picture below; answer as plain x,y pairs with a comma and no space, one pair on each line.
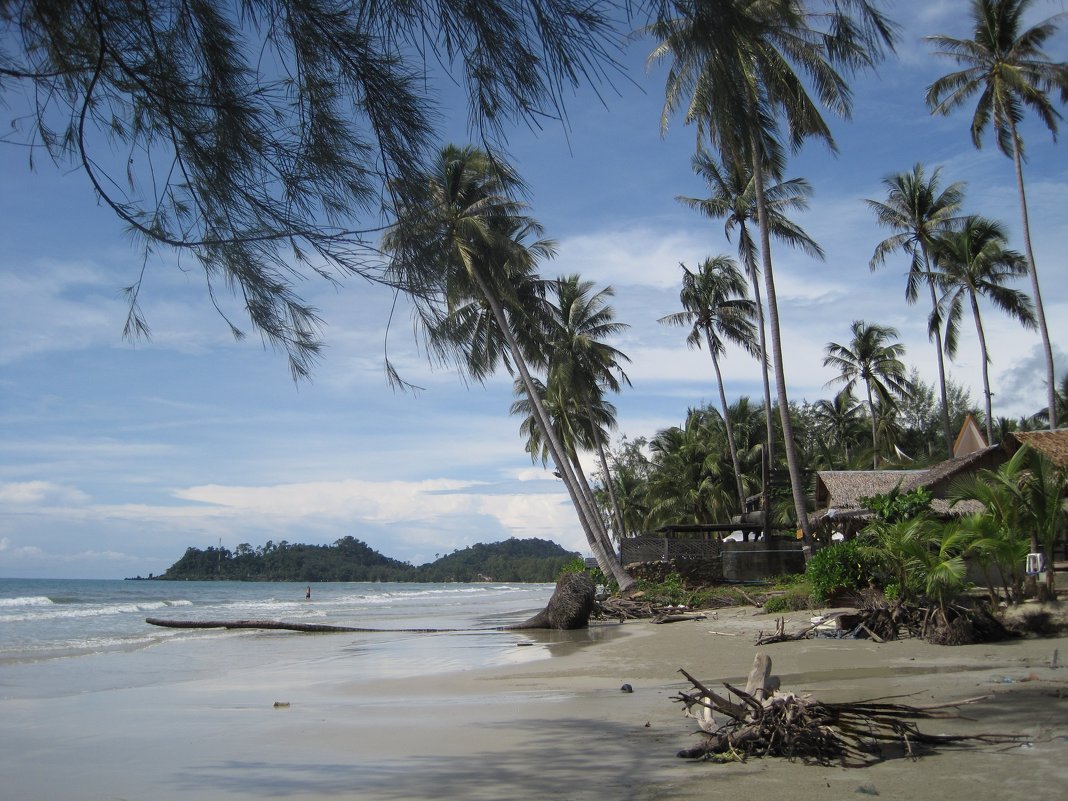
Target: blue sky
114,457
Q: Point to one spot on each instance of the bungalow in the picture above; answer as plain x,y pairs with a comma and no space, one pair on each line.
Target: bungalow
839,492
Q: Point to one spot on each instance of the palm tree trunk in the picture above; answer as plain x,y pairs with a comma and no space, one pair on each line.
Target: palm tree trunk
792,462
587,494
591,504
590,522
616,512
729,426
755,281
946,429
1032,271
874,430
986,369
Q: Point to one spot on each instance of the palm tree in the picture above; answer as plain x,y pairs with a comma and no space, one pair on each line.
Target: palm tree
970,263
686,482
1023,499
1006,66
578,424
460,241
718,310
744,70
580,364
871,357
733,200
918,209
841,418
1043,417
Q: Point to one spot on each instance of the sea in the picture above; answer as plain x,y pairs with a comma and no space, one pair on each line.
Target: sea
97,704
99,626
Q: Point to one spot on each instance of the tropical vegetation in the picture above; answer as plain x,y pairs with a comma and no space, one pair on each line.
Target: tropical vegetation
349,559
334,166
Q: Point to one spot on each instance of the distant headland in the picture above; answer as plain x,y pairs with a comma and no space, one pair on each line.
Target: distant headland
349,559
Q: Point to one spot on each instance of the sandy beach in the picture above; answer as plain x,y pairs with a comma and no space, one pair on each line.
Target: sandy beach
558,727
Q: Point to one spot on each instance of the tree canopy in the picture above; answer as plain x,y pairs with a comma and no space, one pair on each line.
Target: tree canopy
267,140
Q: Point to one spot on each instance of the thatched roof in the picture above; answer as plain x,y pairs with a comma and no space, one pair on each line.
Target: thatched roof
843,489
937,479
1051,444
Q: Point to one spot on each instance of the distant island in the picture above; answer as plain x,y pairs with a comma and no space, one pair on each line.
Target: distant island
349,559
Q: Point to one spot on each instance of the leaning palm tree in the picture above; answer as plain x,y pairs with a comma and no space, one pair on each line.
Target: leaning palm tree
579,425
733,200
717,310
458,240
871,357
1005,65
917,209
972,263
744,72
579,362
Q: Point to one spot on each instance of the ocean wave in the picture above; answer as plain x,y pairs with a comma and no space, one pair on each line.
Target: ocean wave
70,612
30,600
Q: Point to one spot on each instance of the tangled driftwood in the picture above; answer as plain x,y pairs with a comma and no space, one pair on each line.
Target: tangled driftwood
765,721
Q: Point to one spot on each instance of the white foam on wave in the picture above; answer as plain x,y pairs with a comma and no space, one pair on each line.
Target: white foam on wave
56,612
29,600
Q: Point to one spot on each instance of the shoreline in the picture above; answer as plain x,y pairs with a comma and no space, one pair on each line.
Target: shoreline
555,727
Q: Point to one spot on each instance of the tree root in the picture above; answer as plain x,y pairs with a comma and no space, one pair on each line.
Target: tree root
769,722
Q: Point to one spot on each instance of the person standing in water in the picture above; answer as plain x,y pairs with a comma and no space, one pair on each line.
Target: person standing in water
307,595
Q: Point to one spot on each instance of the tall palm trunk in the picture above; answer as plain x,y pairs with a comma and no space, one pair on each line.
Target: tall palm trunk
770,446
874,430
728,424
986,368
1032,270
946,429
590,522
792,462
617,513
587,493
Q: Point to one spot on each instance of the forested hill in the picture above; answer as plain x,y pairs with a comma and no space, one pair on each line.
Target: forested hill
349,559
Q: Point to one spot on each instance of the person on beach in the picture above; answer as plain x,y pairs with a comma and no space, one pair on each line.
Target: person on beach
307,595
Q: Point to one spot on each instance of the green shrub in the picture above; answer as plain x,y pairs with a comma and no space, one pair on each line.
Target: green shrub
672,590
796,598
842,566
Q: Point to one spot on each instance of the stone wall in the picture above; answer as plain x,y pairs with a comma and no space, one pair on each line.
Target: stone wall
709,561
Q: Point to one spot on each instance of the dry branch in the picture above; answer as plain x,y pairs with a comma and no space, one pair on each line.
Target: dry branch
769,722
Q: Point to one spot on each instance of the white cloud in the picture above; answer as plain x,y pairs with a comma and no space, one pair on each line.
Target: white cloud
29,493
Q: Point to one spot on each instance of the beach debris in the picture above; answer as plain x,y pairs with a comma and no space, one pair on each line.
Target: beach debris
679,618
281,704
569,607
626,688
764,720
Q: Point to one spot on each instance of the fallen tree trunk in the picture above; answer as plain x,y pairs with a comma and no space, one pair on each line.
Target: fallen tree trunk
769,722
568,608
269,624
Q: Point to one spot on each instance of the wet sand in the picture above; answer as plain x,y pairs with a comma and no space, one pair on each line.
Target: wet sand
556,728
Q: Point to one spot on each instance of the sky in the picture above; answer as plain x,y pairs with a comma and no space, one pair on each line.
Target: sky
117,456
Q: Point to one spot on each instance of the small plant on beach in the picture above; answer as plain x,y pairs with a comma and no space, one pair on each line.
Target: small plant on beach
672,590
796,597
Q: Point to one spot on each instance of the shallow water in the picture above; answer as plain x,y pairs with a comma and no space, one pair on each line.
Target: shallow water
58,637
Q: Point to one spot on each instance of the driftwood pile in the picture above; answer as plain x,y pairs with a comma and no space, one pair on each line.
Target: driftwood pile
766,721
623,609
955,625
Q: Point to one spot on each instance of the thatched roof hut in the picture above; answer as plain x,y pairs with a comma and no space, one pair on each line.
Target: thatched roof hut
1051,444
